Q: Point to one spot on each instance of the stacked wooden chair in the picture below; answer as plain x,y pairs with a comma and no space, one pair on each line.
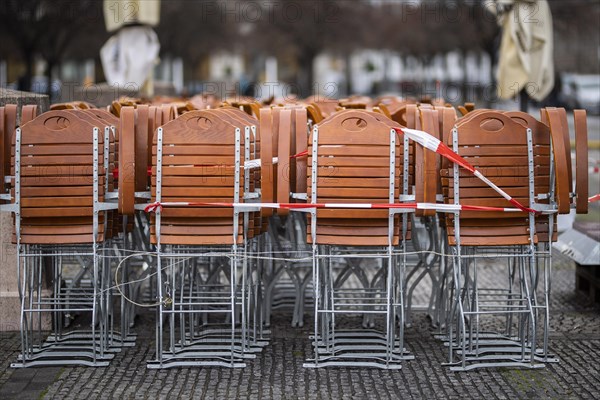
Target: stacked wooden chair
355,157
284,132
71,207
425,238
527,159
198,159
61,215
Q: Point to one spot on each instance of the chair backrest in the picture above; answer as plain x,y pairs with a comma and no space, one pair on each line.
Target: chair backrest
248,105
267,171
254,175
292,139
581,157
497,146
245,123
104,121
142,143
541,142
556,119
198,165
63,106
326,107
28,113
314,113
426,162
448,121
359,159
285,142
56,173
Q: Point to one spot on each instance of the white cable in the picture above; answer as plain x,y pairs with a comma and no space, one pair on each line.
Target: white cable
118,285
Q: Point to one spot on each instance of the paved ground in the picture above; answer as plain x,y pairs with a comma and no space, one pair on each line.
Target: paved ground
277,373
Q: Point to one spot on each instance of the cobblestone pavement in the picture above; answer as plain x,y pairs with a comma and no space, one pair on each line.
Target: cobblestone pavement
277,373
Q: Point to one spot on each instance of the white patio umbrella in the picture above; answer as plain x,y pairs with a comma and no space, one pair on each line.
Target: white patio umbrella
526,52
129,56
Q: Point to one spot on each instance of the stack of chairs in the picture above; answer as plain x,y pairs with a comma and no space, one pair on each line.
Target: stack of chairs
425,239
285,138
357,157
527,159
217,264
204,284
498,146
63,221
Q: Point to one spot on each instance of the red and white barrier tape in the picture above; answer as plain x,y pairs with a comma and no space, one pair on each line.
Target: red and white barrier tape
258,163
431,143
422,138
153,207
300,155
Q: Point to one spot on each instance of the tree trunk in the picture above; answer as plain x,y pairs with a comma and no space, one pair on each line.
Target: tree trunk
465,83
348,73
25,84
306,74
49,67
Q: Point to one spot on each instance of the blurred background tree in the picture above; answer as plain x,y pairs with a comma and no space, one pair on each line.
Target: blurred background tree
51,29
295,32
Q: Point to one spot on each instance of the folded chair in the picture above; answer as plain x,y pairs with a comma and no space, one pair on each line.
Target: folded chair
359,159
503,151
442,303
198,160
567,191
425,238
286,137
252,290
133,130
61,215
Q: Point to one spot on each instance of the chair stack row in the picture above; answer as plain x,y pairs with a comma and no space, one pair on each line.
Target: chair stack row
228,209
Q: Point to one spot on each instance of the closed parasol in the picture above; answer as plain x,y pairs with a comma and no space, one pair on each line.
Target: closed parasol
129,56
526,53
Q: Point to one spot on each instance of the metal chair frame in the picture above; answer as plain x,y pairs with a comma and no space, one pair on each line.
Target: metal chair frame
371,348
90,348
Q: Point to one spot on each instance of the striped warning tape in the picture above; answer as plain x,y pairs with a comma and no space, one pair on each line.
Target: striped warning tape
257,163
422,138
434,144
450,208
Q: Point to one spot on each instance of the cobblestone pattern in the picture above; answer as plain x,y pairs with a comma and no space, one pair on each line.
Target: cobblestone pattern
277,373
9,345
